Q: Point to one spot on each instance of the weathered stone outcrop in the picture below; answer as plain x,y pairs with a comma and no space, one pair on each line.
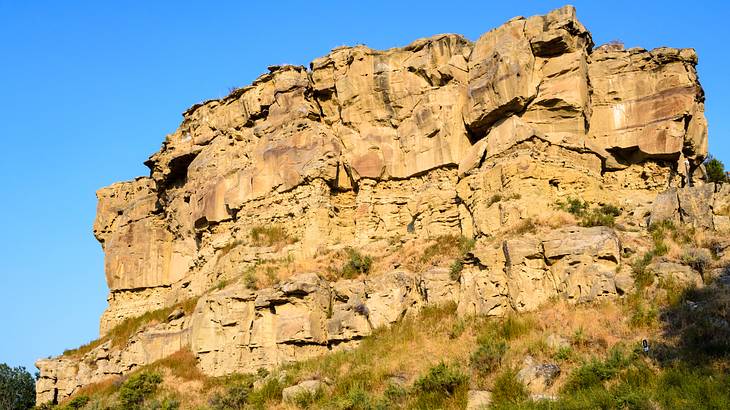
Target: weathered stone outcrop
367,148
237,329
705,206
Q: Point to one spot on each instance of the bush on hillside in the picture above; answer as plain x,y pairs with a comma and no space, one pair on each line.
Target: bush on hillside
137,388
357,264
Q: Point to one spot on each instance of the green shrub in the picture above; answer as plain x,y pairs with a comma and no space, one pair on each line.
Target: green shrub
306,399
457,329
355,399
641,315
595,372
137,388
564,353
603,215
697,259
715,170
499,198
684,387
451,245
234,398
442,379
507,389
165,404
488,355
269,392
658,232
394,394
357,264
573,206
455,270
643,277
249,280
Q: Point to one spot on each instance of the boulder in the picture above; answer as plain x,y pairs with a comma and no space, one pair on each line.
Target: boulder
306,387
680,274
538,377
695,205
665,207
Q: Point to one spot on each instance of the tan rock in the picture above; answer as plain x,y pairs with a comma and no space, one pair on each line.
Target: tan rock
647,104
676,273
695,205
369,149
306,387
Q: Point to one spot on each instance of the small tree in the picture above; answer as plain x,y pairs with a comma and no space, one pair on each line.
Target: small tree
715,170
17,388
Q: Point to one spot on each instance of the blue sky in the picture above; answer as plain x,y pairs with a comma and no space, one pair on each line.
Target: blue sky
89,90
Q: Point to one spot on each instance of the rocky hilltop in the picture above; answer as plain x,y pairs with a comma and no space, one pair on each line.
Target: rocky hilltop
371,152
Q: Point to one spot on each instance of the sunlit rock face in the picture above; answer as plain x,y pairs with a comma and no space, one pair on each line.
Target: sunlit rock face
366,147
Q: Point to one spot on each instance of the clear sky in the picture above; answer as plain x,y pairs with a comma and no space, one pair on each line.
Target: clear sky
89,90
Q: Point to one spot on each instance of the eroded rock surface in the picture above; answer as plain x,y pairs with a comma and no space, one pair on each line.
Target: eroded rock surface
441,137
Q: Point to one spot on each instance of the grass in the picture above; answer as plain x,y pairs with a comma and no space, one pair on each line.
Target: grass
356,264
446,247
438,356
525,226
697,258
507,389
499,198
488,356
271,235
643,277
182,364
120,334
602,215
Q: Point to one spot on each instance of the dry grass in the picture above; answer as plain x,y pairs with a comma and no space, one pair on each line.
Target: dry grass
271,235
181,364
406,350
103,389
120,334
409,348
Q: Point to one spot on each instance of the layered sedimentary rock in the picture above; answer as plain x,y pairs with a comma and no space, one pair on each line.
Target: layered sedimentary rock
237,329
443,136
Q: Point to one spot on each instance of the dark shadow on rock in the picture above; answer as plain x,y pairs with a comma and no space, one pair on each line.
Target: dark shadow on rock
697,327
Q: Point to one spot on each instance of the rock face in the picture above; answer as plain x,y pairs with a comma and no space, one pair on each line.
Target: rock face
368,147
704,206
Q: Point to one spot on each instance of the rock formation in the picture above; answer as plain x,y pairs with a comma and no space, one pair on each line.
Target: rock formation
366,148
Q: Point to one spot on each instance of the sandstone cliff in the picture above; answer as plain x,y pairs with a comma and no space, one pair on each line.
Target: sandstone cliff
373,149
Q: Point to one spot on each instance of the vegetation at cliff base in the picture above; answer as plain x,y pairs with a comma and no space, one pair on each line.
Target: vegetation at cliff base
120,334
433,359
17,388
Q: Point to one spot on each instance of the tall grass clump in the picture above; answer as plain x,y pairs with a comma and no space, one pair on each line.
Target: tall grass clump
120,334
602,215
271,235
